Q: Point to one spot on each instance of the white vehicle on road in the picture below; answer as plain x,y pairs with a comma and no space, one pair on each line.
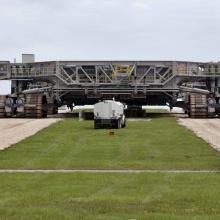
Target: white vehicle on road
109,114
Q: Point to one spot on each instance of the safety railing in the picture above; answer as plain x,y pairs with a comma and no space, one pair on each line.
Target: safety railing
198,71
32,72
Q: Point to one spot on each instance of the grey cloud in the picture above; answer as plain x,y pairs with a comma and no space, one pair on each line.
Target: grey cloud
110,29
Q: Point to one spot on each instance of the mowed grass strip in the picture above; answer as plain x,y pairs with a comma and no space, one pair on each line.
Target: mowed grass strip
70,144
110,196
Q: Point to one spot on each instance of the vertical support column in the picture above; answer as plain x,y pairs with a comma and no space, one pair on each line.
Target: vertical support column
81,115
13,86
198,70
96,75
57,68
135,70
155,74
174,68
96,80
77,74
135,78
187,69
57,72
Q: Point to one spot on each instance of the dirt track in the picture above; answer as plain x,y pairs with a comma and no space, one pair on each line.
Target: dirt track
207,129
14,130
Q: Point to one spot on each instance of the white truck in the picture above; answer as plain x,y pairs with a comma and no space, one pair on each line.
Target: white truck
109,114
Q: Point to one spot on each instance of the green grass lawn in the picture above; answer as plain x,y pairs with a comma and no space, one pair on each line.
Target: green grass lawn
158,144
109,196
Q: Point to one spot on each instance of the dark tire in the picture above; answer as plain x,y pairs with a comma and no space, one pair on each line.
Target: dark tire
96,126
124,125
118,124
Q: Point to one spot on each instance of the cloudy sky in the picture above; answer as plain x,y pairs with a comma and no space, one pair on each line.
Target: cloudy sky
110,29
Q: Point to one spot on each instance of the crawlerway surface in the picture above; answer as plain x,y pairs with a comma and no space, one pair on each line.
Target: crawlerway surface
14,130
207,129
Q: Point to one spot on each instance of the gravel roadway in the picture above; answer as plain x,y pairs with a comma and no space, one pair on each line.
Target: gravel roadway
14,130
207,129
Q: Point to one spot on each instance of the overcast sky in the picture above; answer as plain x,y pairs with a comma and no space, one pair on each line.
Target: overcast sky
110,29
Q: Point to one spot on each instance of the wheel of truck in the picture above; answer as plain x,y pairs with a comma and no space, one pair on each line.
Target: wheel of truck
119,123
124,124
96,126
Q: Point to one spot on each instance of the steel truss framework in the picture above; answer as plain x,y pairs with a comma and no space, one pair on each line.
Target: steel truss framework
95,79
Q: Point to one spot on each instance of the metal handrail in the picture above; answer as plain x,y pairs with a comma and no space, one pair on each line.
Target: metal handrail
29,72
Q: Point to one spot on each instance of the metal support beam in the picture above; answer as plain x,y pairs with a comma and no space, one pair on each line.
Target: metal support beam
145,74
101,68
86,74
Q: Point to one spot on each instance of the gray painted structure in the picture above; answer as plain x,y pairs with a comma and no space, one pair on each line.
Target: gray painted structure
132,82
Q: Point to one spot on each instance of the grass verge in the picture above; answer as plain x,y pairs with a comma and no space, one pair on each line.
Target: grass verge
110,196
157,144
